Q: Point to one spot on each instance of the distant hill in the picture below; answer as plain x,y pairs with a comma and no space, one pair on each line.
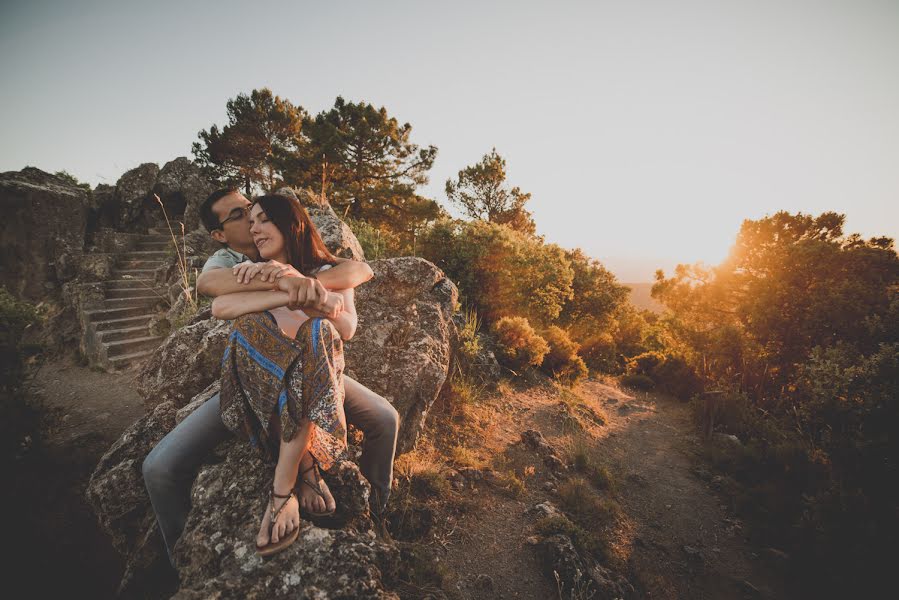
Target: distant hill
641,298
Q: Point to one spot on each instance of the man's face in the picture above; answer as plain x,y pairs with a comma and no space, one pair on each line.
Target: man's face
232,211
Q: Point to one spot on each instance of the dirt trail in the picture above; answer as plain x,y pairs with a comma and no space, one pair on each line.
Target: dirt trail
678,539
684,544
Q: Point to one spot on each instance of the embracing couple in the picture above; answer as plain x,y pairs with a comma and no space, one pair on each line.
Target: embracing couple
283,387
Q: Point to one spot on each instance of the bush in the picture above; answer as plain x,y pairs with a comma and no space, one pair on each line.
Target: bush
600,353
562,360
638,382
517,344
377,242
645,364
499,271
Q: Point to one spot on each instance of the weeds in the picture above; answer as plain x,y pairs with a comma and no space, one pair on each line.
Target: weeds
183,271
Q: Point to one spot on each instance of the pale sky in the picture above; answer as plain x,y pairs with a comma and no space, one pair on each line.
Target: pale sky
646,131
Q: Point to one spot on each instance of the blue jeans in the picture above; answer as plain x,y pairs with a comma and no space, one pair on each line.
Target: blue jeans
170,468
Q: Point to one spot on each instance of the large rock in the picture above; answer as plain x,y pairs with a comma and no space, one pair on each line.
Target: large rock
182,187
43,226
215,556
577,576
133,196
402,345
186,363
336,234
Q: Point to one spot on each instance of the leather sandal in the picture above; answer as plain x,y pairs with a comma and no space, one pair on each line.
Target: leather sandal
317,488
273,548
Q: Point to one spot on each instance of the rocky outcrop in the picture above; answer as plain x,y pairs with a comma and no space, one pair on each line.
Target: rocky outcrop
182,187
133,195
186,363
43,227
336,234
402,345
215,556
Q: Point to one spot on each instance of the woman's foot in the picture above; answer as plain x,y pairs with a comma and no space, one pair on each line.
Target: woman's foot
315,497
286,511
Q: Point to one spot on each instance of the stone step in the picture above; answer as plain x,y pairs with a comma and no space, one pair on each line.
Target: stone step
130,264
146,284
157,238
130,346
153,246
126,360
123,323
146,301
134,292
133,273
109,314
144,255
126,333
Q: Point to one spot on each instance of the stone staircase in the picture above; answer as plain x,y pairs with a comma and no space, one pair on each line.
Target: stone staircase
117,335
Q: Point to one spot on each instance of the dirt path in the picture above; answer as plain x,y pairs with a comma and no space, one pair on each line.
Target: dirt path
684,544
677,538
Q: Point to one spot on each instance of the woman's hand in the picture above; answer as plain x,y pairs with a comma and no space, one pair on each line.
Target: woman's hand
267,271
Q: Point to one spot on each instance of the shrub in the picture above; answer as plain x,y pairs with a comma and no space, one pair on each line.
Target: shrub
600,353
517,344
500,271
469,345
638,382
377,242
645,364
562,360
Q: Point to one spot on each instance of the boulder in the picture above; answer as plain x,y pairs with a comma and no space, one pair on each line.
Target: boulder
133,196
182,187
401,349
215,557
43,226
336,234
186,363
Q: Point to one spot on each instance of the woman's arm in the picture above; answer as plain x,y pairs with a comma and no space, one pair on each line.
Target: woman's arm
231,306
345,323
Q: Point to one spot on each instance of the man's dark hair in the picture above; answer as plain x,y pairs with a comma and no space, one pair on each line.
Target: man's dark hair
210,221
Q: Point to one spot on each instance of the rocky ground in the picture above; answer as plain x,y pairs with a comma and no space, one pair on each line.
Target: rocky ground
466,495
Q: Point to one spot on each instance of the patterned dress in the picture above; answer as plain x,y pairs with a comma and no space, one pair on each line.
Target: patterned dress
270,383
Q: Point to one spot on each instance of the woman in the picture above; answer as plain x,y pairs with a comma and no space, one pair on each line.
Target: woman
282,375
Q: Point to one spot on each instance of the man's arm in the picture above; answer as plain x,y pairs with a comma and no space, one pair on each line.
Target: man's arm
345,274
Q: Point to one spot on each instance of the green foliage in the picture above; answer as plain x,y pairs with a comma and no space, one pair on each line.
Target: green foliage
262,137
669,373
18,421
469,343
802,323
643,383
596,295
371,167
562,360
499,271
377,241
517,344
481,192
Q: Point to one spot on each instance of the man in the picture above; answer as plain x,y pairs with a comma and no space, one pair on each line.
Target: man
170,467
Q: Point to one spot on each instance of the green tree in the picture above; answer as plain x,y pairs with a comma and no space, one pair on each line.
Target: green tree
500,271
368,165
481,191
596,295
262,138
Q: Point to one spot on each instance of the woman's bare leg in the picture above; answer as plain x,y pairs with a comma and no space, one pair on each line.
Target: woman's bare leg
285,478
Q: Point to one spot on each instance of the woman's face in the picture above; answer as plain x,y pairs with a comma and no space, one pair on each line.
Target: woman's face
268,239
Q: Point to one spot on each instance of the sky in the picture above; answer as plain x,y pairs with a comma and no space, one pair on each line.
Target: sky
645,130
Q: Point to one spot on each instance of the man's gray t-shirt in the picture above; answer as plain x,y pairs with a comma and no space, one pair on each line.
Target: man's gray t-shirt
224,258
